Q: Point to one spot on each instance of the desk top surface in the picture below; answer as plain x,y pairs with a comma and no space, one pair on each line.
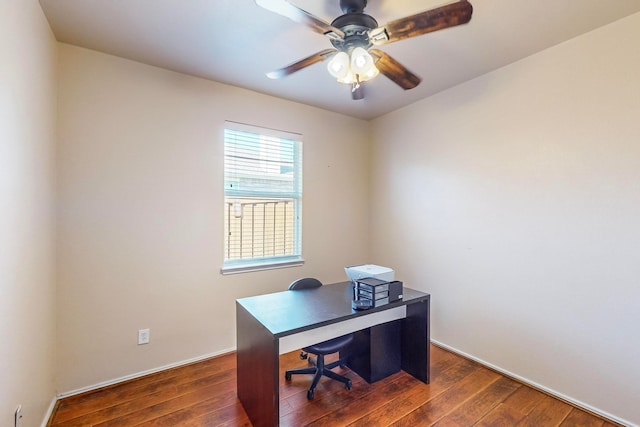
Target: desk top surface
288,312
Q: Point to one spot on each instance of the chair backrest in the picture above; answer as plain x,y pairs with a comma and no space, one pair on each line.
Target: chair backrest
306,283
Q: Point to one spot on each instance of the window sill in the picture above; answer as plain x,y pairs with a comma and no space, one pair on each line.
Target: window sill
248,268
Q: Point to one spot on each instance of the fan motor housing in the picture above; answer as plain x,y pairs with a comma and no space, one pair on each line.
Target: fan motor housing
356,28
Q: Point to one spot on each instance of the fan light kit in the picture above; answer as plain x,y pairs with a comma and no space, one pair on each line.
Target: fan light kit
353,70
353,60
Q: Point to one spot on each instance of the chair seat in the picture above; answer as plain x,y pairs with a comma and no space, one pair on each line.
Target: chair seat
330,346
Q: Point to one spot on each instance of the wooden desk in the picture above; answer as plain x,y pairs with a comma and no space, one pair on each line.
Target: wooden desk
309,316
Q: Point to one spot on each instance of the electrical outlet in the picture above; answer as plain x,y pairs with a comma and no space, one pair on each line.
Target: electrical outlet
143,336
18,417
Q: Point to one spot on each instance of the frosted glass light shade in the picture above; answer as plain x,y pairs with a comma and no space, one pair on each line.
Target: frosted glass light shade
338,66
361,61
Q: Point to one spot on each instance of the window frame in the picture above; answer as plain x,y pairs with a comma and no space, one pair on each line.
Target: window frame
242,265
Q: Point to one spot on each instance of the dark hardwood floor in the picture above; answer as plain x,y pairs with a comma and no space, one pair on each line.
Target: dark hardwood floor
461,393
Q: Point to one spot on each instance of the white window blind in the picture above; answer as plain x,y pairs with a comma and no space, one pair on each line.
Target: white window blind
263,198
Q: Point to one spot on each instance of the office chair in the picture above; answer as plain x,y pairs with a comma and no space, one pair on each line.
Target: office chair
320,350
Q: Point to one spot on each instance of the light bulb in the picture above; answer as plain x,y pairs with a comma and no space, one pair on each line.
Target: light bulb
361,61
338,67
349,78
370,74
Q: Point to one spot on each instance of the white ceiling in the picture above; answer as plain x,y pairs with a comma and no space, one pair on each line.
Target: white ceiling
237,42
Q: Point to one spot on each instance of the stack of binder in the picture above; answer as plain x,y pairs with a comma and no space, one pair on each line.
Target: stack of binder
377,292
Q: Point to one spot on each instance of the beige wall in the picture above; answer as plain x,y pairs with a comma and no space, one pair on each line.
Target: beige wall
27,136
514,199
141,212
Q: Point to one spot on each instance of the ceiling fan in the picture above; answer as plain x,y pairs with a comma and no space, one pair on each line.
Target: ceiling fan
352,60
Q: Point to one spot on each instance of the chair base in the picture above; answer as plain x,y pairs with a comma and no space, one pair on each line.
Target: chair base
319,371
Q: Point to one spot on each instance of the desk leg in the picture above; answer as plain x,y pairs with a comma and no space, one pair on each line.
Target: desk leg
415,341
257,360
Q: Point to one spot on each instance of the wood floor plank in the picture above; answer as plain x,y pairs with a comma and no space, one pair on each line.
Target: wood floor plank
74,406
501,416
228,416
333,397
199,411
461,393
377,397
221,390
524,399
578,418
444,403
169,406
441,360
417,396
474,409
548,412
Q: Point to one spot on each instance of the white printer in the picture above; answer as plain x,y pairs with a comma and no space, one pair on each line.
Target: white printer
363,271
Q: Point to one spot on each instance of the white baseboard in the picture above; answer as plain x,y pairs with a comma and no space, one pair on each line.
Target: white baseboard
47,415
140,374
537,386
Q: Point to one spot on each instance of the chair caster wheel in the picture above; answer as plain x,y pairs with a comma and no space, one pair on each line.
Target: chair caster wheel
287,376
348,385
310,395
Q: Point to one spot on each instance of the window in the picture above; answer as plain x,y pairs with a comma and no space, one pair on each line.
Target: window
263,198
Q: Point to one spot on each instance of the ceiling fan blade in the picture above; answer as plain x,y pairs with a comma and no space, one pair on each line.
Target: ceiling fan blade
303,63
286,9
394,70
425,22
